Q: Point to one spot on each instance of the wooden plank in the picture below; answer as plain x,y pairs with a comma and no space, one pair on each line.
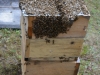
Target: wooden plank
80,24
70,47
71,34
78,28
50,68
27,48
26,23
30,26
66,59
23,44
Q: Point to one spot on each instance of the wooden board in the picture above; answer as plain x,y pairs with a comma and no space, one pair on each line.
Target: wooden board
51,68
30,26
23,44
39,48
78,28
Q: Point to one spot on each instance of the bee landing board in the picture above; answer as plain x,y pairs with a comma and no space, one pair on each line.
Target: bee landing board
52,19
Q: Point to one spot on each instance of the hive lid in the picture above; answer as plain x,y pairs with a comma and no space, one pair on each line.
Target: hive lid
70,8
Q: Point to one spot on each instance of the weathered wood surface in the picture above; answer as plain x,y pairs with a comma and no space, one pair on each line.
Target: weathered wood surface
55,48
23,44
77,67
27,48
50,68
78,29
30,26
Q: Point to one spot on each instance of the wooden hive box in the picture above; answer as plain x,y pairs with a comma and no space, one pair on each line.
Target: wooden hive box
51,67
56,55
63,45
78,16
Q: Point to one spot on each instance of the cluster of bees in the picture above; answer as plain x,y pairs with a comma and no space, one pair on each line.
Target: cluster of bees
50,26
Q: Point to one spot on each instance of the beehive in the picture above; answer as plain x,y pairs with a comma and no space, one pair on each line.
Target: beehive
52,30
74,17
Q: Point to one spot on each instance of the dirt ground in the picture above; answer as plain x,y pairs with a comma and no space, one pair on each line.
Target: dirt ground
10,52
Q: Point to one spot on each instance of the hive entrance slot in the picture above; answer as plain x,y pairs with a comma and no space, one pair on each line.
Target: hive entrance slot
26,59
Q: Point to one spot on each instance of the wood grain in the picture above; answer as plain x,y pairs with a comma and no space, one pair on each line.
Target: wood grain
30,26
78,28
23,44
50,68
77,67
27,48
70,47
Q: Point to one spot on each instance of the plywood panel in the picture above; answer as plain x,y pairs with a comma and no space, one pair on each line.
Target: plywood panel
50,68
55,48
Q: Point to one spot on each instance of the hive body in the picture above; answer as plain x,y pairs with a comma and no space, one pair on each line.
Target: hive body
53,32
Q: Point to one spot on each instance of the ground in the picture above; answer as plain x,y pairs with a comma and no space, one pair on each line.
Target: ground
10,52
90,56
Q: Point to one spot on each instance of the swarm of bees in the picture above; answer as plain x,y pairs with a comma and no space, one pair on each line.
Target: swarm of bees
53,16
50,26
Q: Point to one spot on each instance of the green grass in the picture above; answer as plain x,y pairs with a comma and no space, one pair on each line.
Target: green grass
9,51
85,50
90,56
